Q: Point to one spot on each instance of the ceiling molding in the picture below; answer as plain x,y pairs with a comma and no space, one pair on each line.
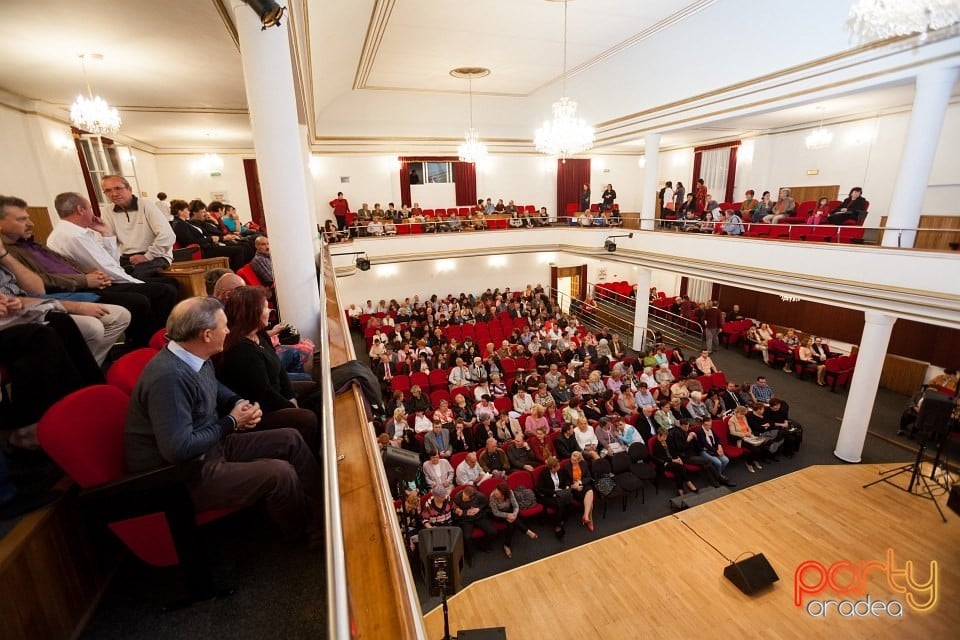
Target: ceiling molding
670,21
744,109
379,17
227,16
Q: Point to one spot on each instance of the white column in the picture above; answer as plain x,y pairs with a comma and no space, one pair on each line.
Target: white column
315,217
929,107
651,173
642,308
863,388
268,76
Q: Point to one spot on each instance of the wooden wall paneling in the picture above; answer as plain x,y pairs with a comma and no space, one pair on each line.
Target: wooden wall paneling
903,375
42,226
53,571
947,231
802,194
909,339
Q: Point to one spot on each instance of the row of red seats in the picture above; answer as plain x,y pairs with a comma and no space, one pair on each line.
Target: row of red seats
839,370
481,332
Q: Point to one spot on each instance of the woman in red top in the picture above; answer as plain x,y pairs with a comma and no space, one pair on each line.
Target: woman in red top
700,195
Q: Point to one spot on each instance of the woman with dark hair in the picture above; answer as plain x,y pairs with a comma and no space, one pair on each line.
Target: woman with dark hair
190,228
851,208
504,507
250,367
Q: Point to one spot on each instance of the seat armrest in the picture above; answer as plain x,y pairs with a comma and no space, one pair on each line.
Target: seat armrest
160,477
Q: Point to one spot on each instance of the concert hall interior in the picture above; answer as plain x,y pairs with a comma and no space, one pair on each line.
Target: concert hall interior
444,108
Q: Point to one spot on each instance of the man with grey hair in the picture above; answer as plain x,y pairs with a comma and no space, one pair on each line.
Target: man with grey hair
179,411
144,237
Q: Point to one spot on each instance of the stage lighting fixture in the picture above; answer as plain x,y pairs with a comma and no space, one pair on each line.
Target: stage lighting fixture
610,245
363,263
268,11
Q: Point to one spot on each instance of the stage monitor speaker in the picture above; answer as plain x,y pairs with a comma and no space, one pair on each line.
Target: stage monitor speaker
752,574
953,501
401,464
441,552
934,414
492,633
693,499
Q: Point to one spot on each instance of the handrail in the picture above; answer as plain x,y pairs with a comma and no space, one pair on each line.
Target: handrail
382,596
838,234
338,606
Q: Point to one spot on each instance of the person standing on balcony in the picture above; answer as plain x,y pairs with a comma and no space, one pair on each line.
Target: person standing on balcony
608,197
340,208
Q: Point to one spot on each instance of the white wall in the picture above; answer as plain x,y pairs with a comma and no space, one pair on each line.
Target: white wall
40,159
467,275
475,274
183,177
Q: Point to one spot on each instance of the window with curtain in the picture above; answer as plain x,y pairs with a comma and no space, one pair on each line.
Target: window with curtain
714,166
717,166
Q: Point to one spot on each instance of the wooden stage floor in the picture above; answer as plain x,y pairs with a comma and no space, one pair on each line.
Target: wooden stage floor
659,580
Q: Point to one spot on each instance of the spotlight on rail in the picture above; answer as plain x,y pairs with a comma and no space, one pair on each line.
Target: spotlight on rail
610,245
268,11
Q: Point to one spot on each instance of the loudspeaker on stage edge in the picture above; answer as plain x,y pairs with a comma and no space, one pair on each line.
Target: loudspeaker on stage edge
693,499
492,633
752,574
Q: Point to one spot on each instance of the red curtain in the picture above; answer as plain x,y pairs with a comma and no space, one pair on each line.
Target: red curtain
405,182
731,176
571,176
465,181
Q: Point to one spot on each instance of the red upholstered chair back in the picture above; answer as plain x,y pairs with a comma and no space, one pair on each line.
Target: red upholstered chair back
159,340
83,433
249,276
125,372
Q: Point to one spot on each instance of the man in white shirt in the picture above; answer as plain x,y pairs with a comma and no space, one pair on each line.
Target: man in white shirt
163,205
459,375
522,403
470,472
144,236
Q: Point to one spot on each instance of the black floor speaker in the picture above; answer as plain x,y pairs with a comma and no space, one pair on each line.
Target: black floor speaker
492,633
441,552
693,499
953,501
400,464
752,574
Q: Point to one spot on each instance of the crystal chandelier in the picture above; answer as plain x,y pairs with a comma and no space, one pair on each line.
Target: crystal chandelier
566,134
471,149
880,19
92,113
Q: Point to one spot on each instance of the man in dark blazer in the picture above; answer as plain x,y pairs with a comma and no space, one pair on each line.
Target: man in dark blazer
731,398
645,424
438,440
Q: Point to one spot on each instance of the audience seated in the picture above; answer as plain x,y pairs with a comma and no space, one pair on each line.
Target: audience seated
179,411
